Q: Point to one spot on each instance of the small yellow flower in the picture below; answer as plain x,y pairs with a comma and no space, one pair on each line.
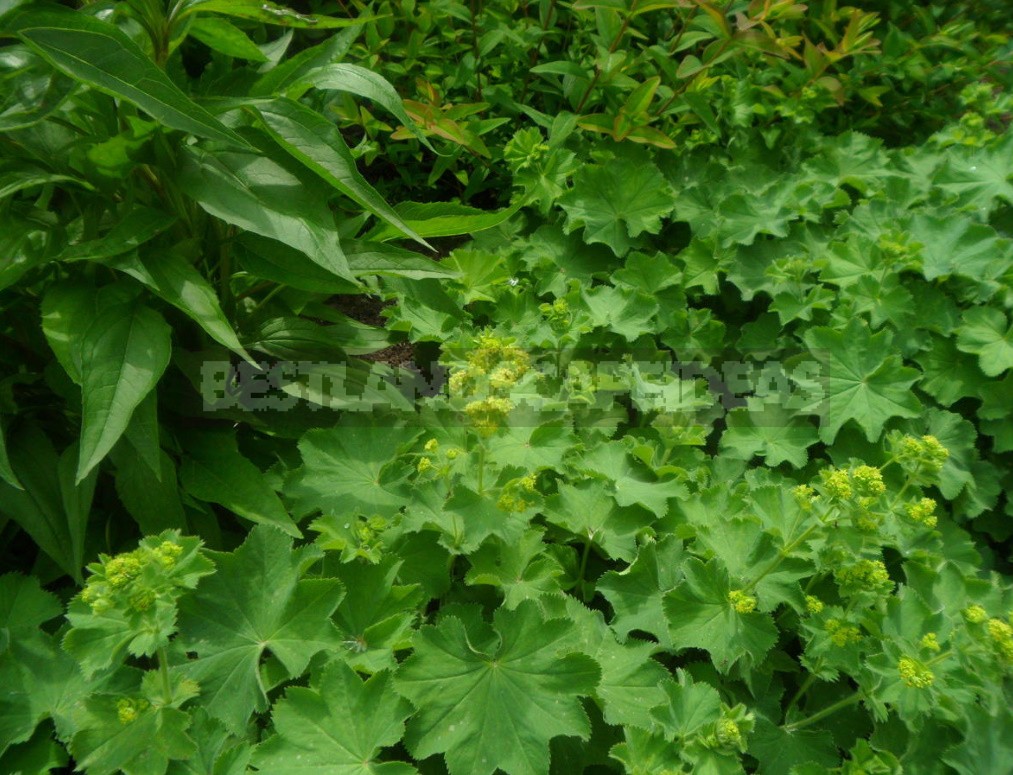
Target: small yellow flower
813,604
841,633
914,674
742,602
431,446
869,481
728,733
930,642
837,483
975,614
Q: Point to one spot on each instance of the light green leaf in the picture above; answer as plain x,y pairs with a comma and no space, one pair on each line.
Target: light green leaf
769,431
226,38
270,13
988,334
637,593
317,143
122,354
688,707
496,706
587,509
361,82
617,202
99,54
106,746
861,380
443,219
256,193
258,601
701,616
171,277
338,727
376,616
215,471
521,569
351,469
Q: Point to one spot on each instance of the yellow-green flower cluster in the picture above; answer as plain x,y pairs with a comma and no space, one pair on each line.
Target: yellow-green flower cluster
436,459
557,314
842,633
930,642
805,496
128,709
493,367
728,733
813,604
118,580
742,602
975,614
516,494
926,453
489,414
864,576
1002,639
837,483
868,481
914,674
922,511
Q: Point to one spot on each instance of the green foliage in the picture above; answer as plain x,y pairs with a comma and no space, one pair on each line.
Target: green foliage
691,453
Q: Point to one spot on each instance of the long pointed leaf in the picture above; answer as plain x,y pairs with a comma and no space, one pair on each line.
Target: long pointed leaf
259,195
363,83
123,353
318,144
101,55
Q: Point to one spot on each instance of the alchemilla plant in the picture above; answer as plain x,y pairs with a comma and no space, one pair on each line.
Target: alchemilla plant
521,387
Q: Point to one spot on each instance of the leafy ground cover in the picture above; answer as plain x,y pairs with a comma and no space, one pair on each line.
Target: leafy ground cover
607,386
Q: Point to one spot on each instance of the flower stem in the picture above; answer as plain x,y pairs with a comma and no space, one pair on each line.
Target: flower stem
822,714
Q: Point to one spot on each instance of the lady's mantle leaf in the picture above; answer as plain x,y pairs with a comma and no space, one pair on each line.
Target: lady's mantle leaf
257,601
336,729
500,709
700,615
987,334
617,201
861,379
144,746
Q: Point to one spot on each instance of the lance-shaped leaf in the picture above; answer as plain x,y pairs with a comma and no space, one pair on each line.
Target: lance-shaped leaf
861,378
99,54
353,79
122,355
258,194
318,144
170,276
270,13
336,728
499,708
214,470
258,601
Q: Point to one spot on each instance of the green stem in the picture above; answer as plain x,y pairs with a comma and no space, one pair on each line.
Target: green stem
820,715
598,70
583,568
481,468
786,551
163,670
809,681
